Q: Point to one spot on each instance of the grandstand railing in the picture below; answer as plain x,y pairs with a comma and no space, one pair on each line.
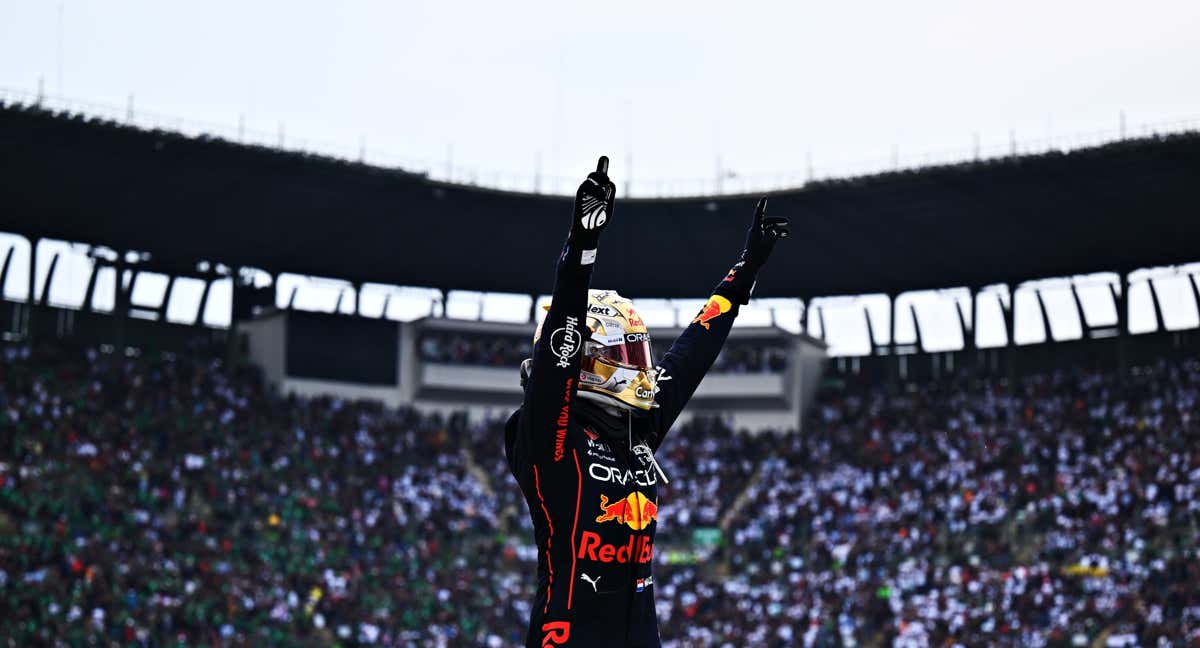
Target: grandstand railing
728,184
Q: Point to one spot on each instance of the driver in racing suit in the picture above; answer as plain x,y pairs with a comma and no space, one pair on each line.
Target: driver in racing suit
595,411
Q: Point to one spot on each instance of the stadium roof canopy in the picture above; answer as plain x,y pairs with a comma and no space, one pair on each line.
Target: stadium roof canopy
1117,207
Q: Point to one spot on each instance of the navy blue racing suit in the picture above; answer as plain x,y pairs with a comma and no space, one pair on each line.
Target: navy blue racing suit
593,498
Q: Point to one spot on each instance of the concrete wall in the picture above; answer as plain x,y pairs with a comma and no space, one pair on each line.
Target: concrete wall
388,395
753,401
266,337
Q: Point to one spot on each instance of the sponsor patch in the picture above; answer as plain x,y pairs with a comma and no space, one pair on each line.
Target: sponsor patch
563,421
717,305
639,549
609,340
635,511
595,217
635,320
565,342
594,582
615,475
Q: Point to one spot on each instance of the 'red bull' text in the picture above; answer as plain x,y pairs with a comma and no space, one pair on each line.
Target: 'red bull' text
593,548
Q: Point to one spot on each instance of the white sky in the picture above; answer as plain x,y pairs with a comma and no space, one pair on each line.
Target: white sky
664,88
672,84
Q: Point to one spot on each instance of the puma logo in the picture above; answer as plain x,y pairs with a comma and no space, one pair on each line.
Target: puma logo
583,576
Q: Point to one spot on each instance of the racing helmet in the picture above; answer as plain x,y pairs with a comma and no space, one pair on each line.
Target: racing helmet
618,365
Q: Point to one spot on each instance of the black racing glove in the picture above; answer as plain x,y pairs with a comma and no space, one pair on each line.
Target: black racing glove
760,240
594,204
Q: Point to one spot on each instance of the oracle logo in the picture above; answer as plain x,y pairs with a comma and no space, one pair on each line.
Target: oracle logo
614,475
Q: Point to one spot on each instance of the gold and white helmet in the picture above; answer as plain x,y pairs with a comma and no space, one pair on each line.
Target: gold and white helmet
618,365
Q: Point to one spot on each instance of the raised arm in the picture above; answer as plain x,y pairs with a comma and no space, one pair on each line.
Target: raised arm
551,385
682,368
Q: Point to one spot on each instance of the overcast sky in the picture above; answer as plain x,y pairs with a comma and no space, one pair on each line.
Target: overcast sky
672,84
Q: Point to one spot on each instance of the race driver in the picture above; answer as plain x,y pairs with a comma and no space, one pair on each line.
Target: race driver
595,411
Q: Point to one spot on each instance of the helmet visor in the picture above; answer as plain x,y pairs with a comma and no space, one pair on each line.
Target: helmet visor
633,353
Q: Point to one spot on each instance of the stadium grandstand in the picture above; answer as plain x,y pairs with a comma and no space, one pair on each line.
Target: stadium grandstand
244,398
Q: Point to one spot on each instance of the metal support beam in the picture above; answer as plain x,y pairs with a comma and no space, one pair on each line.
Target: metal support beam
894,371
1083,323
912,309
89,293
1161,326
968,330
1121,297
204,300
1009,315
121,295
233,338
4,269
1010,345
892,323
980,359
30,312
870,330
162,307
44,300
1045,314
1192,279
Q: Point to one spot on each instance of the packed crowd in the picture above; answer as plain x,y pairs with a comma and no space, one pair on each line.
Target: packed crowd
163,501
484,350
440,347
744,356
1064,512
169,500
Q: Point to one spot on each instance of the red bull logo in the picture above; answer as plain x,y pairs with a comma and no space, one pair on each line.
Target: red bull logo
717,305
637,549
635,511
635,320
